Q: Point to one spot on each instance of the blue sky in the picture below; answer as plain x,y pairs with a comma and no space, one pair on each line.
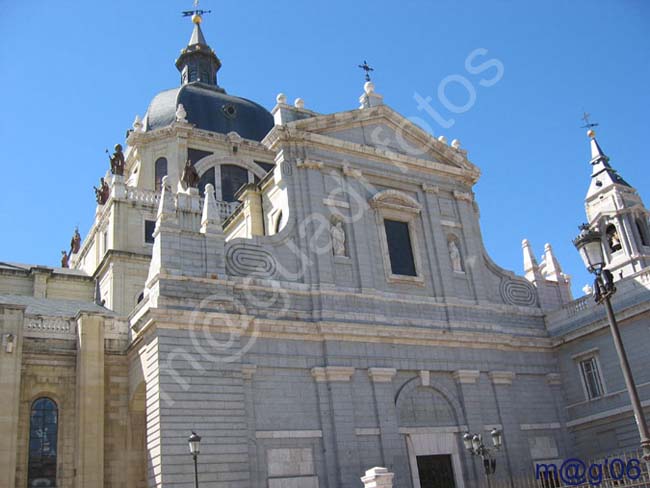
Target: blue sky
74,74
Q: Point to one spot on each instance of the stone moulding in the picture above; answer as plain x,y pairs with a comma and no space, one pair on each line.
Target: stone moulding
249,259
50,327
502,377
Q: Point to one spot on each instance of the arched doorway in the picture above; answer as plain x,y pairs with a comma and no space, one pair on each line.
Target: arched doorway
428,418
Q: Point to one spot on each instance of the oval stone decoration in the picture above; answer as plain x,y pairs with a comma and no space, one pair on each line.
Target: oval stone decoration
249,259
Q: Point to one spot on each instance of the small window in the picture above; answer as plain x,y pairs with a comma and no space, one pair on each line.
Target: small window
149,227
642,228
399,248
613,239
160,169
265,166
232,179
207,177
43,438
591,378
278,223
195,155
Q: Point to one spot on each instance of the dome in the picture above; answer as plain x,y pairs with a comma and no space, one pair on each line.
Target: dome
209,108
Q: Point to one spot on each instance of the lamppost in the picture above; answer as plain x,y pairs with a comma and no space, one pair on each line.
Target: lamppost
474,445
194,442
589,245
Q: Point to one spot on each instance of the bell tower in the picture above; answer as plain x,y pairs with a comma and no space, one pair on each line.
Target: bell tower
616,210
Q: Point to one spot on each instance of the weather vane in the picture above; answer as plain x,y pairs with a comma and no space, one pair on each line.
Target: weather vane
366,67
588,125
196,11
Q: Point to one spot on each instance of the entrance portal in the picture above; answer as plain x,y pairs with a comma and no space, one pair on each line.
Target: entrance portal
436,471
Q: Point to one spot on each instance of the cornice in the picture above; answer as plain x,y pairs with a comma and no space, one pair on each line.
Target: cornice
466,376
332,373
502,377
382,375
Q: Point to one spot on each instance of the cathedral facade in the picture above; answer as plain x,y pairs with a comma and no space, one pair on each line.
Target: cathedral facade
309,293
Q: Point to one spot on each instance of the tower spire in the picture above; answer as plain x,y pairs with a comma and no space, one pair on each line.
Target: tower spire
198,62
602,173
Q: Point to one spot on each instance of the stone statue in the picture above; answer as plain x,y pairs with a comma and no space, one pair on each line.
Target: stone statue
454,255
190,177
103,192
117,161
64,260
181,114
337,234
75,242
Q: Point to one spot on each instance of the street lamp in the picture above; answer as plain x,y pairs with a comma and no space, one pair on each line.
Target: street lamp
474,445
589,245
194,441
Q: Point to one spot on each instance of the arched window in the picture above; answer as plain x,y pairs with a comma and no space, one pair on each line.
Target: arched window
160,171
43,434
278,222
642,227
207,177
232,179
613,239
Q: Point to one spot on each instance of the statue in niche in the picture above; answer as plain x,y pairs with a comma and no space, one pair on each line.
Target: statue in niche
117,161
75,242
190,177
337,233
454,255
613,239
64,260
103,192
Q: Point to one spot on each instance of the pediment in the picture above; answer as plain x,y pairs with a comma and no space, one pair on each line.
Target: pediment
384,129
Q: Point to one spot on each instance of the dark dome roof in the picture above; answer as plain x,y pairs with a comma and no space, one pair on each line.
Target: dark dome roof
209,108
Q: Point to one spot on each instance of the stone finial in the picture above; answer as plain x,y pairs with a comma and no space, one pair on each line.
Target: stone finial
455,144
137,124
281,98
378,478
299,103
210,218
442,139
552,269
167,207
181,114
370,98
531,268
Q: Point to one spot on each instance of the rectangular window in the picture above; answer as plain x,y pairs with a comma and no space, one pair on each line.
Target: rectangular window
399,248
149,226
591,377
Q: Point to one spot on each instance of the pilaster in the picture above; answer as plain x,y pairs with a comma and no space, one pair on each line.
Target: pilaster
342,412
507,408
467,381
392,445
89,450
554,382
11,345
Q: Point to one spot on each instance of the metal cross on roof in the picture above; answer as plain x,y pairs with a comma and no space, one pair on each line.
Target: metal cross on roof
588,125
366,67
196,11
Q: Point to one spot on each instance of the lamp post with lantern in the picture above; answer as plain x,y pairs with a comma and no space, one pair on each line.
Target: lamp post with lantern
589,245
474,445
194,442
